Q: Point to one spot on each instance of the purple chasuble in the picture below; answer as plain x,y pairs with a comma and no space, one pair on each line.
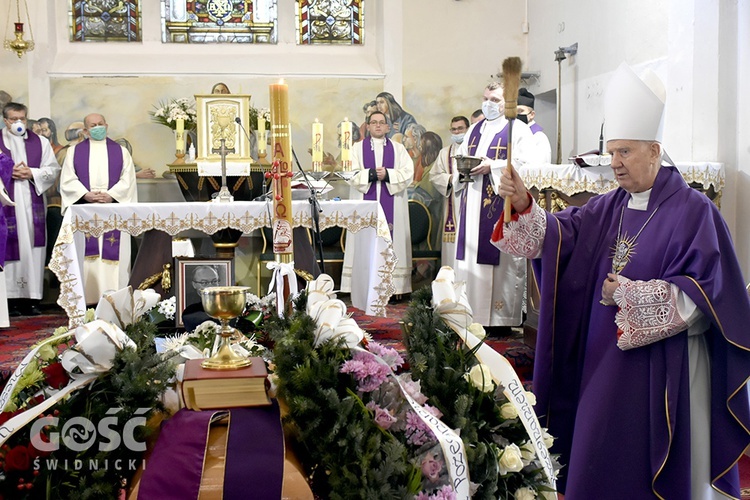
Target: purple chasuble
6,172
535,127
622,418
386,198
33,146
81,156
254,455
491,204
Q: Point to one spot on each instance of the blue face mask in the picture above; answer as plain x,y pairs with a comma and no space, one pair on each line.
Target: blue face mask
98,133
458,138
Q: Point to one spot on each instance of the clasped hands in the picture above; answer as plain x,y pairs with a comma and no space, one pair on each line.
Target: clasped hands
97,197
21,172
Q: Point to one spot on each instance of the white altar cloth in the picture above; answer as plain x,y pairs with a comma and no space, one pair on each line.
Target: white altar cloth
571,179
372,288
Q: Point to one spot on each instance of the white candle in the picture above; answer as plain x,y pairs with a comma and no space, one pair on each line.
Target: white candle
346,144
261,134
317,146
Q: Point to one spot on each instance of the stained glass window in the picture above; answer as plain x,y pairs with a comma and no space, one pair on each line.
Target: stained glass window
330,21
218,21
105,21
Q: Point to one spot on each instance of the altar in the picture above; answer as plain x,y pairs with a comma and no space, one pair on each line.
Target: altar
372,285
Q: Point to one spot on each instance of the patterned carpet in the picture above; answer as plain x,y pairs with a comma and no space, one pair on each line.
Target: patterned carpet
23,333
388,331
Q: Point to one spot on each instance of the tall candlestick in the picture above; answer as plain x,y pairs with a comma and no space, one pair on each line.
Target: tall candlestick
281,140
346,145
261,134
317,146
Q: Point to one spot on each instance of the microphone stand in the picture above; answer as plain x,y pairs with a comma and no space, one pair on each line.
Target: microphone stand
315,210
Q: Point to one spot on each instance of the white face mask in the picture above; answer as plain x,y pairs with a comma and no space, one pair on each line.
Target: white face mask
491,110
458,138
18,128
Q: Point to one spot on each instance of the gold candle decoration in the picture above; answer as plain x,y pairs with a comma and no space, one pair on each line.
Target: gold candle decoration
179,135
261,134
281,141
317,146
346,145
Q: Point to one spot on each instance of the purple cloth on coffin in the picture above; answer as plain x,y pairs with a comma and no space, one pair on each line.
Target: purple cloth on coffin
386,198
491,205
33,146
175,467
254,455
621,418
111,239
6,171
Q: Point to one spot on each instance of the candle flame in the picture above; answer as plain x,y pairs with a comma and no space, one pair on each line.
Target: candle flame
346,118
281,81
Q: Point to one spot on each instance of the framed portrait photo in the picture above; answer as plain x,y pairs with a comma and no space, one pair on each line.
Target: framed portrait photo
193,275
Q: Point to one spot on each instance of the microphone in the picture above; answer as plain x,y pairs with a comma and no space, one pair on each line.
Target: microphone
238,121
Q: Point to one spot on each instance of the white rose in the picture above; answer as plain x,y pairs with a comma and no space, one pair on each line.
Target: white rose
510,460
548,495
531,398
548,439
528,452
524,493
508,411
477,330
479,376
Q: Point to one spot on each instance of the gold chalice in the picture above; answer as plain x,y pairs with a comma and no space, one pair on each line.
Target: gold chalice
225,303
464,165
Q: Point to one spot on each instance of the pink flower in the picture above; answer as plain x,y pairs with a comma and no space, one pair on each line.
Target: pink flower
366,370
387,354
431,468
417,432
383,418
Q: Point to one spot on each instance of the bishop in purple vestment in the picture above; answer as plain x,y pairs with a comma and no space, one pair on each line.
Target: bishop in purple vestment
643,353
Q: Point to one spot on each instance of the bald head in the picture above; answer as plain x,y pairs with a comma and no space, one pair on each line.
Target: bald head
92,120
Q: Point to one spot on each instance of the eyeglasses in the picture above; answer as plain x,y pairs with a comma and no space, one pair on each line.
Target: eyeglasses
213,282
378,123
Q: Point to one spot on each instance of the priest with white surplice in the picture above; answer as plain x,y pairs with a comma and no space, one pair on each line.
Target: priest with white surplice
384,171
34,171
99,170
494,283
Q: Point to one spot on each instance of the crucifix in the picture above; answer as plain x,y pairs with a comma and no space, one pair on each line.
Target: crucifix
223,196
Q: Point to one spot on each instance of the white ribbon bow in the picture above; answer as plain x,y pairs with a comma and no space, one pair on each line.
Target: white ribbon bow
125,306
97,343
280,270
329,314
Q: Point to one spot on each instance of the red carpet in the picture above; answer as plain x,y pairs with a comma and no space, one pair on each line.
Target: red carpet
387,331
745,477
24,332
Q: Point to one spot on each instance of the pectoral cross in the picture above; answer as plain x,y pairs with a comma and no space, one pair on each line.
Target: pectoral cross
223,195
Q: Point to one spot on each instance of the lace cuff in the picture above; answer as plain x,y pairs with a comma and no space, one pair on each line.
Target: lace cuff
524,237
647,312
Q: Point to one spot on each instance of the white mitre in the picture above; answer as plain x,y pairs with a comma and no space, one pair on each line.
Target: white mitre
634,106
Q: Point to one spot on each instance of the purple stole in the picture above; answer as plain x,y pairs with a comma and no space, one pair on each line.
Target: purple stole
449,227
386,198
6,172
111,239
535,127
33,160
254,465
491,204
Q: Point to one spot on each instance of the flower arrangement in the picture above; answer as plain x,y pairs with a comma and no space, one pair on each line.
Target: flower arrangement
264,113
167,112
80,431
361,427
503,462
